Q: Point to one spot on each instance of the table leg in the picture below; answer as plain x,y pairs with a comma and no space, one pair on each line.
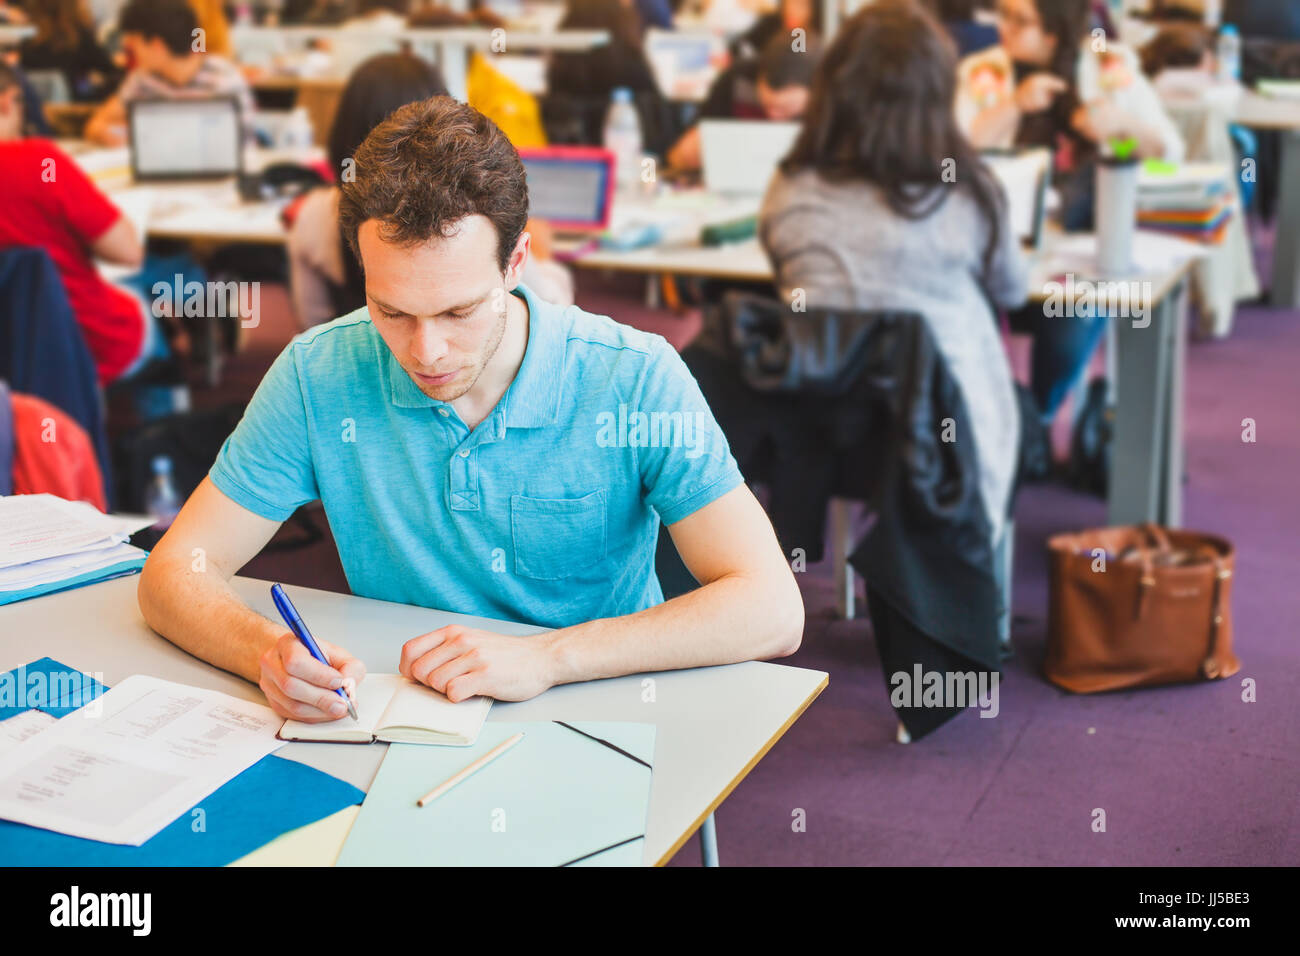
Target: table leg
841,546
1141,456
1286,247
1171,512
709,841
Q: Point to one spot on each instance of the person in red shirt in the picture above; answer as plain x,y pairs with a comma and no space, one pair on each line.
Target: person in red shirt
47,201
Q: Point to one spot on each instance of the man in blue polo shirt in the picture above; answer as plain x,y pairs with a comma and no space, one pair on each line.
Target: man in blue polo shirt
476,450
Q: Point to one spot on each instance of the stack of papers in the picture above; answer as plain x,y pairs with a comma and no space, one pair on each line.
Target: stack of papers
49,544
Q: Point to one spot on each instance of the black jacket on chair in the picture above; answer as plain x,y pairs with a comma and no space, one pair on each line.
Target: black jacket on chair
42,352
857,404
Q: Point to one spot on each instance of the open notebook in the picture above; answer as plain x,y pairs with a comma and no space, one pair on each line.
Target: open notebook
394,709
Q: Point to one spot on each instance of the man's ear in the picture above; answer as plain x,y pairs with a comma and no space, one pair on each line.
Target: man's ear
518,259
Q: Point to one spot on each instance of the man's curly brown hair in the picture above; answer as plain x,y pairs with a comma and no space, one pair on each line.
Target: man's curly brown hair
428,166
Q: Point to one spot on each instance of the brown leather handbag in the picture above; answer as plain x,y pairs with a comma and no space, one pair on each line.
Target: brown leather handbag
1137,606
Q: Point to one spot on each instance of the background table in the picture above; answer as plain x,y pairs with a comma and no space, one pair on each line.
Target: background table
1149,454
713,723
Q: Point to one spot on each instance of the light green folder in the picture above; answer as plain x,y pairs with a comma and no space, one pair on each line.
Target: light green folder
574,793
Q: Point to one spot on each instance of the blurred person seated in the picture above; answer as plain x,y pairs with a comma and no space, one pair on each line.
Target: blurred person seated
860,216
51,204
160,43
34,120
48,452
774,87
65,43
580,83
325,280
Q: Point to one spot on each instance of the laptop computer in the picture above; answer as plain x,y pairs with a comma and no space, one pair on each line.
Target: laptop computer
198,138
740,156
684,62
570,187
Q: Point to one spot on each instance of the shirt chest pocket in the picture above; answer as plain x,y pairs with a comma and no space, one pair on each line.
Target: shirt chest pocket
557,537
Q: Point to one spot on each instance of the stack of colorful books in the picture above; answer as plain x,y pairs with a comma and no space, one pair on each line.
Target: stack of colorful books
1194,200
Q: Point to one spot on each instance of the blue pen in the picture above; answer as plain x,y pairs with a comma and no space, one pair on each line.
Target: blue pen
295,622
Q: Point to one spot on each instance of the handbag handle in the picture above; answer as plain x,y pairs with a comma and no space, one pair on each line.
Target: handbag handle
1156,535
1210,666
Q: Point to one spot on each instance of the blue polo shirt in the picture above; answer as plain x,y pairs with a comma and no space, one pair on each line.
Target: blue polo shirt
548,512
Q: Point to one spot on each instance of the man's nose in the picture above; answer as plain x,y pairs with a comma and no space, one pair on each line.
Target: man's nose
428,345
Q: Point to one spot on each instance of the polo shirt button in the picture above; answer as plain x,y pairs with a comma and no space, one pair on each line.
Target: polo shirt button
464,453
442,410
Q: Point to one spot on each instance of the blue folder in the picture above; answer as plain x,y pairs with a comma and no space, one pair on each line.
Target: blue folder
121,569
268,799
568,794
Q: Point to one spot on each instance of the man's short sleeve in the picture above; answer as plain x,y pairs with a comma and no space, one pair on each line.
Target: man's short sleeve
85,208
266,464
684,458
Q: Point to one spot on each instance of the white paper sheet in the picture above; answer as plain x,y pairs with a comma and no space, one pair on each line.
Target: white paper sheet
35,527
21,726
128,764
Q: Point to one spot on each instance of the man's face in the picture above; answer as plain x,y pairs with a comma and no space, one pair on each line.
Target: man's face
787,103
440,306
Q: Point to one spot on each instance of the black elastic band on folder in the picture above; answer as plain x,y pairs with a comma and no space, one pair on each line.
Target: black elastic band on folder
614,747
588,856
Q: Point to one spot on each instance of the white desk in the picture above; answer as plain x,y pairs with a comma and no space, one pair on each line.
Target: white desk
202,212
1146,482
713,724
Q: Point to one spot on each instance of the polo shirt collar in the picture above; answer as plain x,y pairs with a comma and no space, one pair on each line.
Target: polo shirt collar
533,398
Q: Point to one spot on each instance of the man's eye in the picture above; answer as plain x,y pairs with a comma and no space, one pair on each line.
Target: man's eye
391,315
459,315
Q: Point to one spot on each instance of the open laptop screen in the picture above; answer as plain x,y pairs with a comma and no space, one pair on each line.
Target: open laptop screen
570,186
185,138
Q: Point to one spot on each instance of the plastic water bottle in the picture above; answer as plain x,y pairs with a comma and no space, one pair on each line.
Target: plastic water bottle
623,138
1228,53
161,499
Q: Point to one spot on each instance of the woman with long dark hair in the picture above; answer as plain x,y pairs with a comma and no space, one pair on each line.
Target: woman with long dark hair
882,203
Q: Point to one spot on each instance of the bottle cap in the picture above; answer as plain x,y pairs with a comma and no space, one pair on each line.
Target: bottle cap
162,465
621,94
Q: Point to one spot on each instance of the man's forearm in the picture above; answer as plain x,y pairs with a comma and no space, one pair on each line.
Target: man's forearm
199,612
729,620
